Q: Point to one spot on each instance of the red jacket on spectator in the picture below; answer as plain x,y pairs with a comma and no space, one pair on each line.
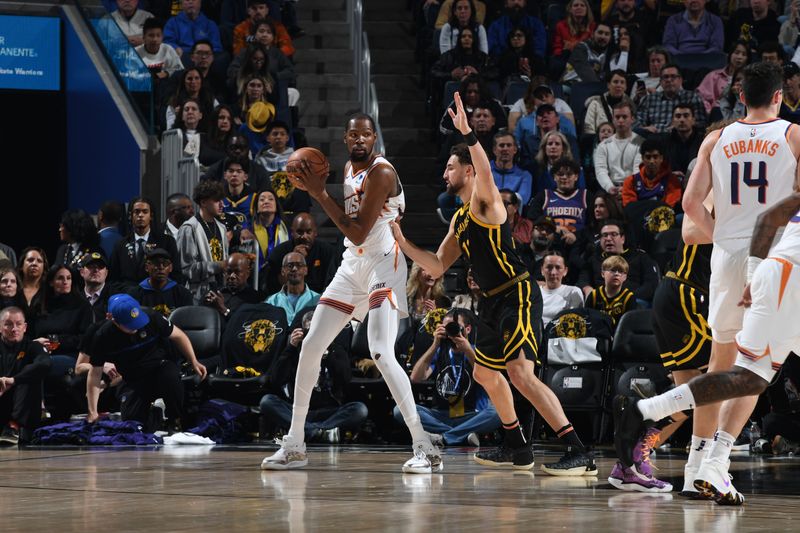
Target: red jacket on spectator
282,40
664,187
563,39
522,229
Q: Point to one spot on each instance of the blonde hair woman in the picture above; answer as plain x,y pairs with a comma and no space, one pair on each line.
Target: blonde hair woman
424,293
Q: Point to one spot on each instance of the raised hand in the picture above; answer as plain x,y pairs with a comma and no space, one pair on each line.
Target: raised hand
460,119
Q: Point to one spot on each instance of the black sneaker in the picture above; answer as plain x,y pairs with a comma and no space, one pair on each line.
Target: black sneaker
630,426
9,436
572,464
518,459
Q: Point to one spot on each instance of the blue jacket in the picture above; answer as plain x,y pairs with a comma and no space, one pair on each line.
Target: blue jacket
281,299
500,28
180,32
515,179
108,239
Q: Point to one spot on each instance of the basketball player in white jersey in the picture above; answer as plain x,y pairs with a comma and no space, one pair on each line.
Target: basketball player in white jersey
751,165
371,278
769,333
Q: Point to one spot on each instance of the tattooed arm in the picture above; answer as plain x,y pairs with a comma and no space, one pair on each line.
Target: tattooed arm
768,223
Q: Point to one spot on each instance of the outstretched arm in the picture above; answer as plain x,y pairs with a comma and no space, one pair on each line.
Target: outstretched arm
435,264
378,186
486,200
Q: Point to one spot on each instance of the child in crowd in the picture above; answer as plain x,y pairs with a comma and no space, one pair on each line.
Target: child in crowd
613,298
160,58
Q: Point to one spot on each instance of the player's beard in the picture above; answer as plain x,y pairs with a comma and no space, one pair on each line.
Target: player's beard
358,158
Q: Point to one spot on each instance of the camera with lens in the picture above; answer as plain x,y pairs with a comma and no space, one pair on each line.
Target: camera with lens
453,329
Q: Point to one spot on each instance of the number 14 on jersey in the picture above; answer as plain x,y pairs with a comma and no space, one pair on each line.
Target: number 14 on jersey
744,173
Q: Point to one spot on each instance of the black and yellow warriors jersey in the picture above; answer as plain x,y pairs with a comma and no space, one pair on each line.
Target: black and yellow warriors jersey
692,264
488,248
613,306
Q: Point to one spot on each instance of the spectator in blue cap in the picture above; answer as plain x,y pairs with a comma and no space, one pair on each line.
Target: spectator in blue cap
131,346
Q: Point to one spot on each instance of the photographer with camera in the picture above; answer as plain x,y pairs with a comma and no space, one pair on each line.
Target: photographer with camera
328,415
462,408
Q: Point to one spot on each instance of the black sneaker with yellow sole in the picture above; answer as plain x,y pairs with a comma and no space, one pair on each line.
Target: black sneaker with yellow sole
572,464
502,456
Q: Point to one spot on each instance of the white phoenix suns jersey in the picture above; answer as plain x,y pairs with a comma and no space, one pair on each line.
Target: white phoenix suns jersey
753,168
789,245
380,236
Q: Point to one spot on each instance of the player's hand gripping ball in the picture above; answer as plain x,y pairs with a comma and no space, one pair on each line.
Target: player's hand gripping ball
316,167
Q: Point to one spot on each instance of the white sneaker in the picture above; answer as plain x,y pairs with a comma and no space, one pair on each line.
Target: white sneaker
713,480
289,456
427,459
689,475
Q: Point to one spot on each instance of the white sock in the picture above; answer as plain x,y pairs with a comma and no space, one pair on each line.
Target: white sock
723,444
678,399
698,450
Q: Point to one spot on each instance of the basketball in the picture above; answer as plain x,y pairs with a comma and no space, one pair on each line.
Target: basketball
317,163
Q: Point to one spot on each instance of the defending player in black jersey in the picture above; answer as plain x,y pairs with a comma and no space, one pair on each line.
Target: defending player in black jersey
512,309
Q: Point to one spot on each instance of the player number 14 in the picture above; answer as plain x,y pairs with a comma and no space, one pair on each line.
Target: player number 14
747,177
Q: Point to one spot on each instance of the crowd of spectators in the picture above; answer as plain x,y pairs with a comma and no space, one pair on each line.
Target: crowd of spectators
589,120
606,105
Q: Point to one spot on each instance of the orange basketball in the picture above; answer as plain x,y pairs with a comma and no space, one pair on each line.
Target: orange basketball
316,160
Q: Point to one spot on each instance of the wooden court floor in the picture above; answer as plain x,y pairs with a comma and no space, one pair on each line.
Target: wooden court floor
199,489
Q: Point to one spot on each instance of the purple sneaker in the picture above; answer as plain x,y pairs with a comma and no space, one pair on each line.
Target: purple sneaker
641,452
632,480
